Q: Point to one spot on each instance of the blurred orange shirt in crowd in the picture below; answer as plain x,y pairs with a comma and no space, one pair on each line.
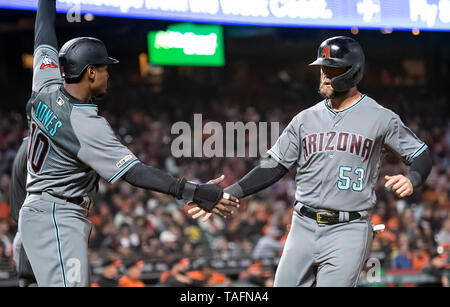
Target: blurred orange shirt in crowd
420,262
126,281
4,211
215,279
133,277
376,219
392,224
96,220
163,277
257,269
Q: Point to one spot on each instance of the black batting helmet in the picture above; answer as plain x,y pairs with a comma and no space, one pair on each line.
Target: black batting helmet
342,51
78,53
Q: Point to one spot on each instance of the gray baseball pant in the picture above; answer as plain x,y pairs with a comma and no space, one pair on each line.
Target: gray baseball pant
323,255
55,236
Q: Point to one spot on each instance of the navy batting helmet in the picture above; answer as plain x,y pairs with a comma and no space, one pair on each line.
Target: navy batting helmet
342,51
77,54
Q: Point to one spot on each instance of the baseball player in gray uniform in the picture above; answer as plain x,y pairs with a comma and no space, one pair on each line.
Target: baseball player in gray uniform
337,147
70,148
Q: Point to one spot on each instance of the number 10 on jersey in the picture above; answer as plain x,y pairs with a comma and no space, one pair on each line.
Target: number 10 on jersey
38,149
345,182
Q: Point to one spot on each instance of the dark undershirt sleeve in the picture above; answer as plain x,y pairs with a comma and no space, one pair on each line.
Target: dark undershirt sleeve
147,177
45,33
206,196
257,179
420,169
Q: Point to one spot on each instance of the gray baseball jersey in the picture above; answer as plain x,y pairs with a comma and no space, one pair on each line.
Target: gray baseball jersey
338,153
70,143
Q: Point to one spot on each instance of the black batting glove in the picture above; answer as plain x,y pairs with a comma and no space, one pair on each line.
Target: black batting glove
206,196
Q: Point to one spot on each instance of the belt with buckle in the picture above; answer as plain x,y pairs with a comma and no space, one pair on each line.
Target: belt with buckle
81,201
327,217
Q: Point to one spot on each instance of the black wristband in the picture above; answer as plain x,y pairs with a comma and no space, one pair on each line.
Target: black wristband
420,169
415,178
188,191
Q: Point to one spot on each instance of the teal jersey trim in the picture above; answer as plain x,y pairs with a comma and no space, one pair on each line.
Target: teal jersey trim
123,171
45,47
58,241
87,105
419,151
275,154
346,109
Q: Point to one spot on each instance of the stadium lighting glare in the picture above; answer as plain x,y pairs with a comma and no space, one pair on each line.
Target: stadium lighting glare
89,17
386,31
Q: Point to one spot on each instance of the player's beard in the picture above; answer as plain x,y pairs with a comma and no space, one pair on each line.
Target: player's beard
328,92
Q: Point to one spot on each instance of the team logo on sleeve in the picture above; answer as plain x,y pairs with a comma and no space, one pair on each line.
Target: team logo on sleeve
47,62
60,101
123,161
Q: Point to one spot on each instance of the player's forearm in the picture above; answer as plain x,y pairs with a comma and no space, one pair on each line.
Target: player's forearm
44,28
147,177
420,169
257,179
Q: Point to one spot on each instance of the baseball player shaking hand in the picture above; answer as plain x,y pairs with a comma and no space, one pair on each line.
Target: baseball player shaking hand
70,148
336,146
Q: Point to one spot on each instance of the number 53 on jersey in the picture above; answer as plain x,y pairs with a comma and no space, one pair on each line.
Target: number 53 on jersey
345,181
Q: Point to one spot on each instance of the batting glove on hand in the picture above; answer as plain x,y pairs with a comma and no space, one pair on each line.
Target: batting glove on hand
223,208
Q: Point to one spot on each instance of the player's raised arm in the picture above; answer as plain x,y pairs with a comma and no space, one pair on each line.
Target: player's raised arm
44,28
46,65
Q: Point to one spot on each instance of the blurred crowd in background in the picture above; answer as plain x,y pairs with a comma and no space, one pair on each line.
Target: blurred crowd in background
133,226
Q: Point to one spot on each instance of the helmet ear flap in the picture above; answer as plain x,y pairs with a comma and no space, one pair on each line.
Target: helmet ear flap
348,79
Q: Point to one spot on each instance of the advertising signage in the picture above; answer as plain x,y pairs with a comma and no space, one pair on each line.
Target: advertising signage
368,14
